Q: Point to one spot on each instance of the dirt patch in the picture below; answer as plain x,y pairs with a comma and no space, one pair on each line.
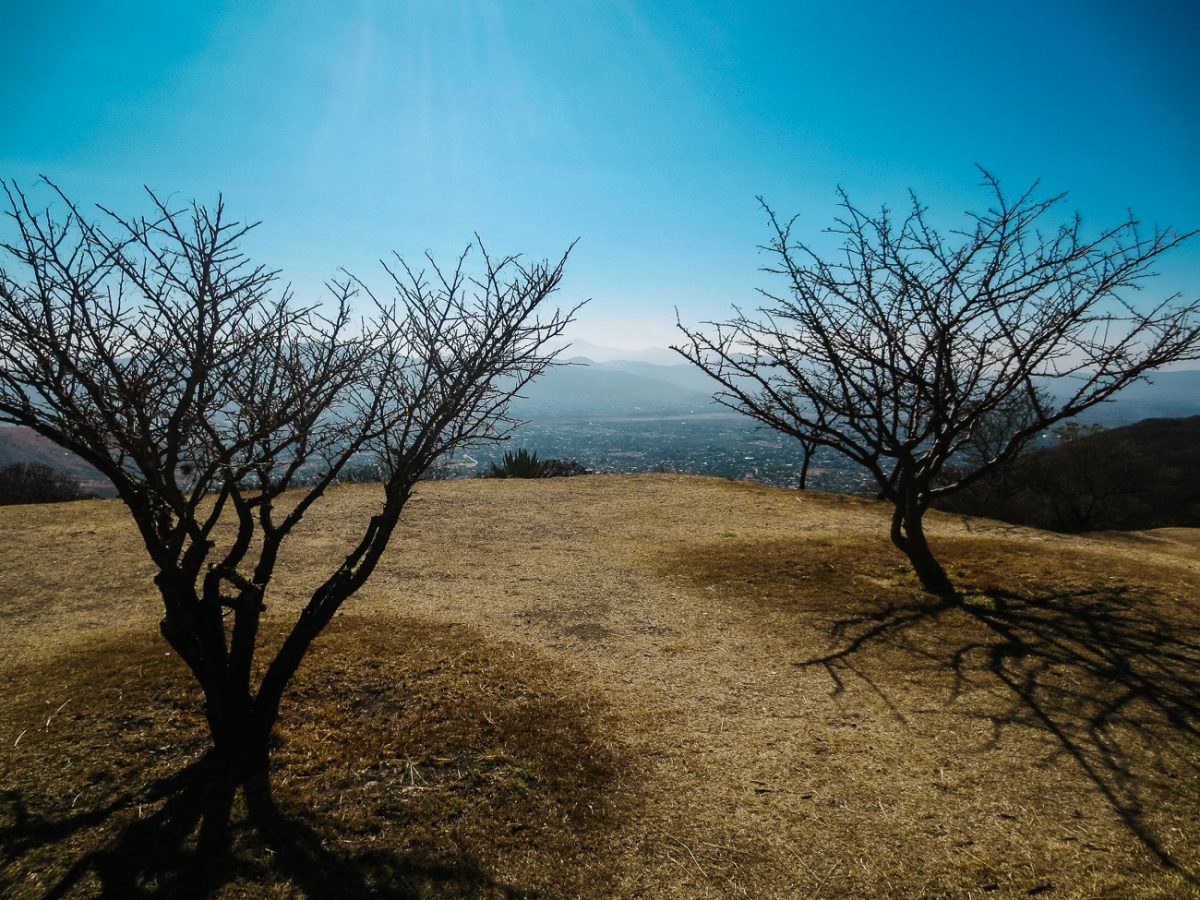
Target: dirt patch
588,631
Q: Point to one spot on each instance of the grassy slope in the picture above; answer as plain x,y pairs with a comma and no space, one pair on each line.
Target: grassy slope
648,685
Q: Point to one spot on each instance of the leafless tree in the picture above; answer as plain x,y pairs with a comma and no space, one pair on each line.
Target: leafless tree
222,411
904,351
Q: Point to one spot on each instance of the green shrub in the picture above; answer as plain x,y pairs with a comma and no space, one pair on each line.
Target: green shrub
521,464
524,464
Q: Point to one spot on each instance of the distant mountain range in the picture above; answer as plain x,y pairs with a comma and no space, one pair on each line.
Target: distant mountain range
1168,395
660,356
585,389
645,405
589,388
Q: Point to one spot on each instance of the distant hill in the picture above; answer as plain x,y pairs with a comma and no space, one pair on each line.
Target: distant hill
681,374
597,353
24,445
1167,395
639,415
1134,477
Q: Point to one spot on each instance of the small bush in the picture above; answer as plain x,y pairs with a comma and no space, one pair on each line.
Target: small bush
38,483
563,468
521,464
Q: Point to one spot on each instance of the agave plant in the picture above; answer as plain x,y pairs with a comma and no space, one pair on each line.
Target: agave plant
521,464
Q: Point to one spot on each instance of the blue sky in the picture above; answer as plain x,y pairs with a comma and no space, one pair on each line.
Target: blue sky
352,129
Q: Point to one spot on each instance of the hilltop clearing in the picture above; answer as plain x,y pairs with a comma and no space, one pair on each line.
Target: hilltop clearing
624,686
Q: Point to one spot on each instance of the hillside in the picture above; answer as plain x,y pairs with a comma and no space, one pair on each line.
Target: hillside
1138,476
642,415
19,444
629,686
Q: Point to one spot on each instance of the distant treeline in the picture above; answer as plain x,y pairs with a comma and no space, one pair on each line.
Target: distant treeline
37,483
1140,476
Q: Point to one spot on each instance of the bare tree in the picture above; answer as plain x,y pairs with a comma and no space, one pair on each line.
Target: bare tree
905,350
222,411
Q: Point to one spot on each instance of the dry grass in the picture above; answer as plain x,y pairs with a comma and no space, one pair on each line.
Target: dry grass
630,686
413,758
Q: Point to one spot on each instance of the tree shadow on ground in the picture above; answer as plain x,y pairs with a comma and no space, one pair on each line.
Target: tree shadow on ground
193,844
1114,683
409,762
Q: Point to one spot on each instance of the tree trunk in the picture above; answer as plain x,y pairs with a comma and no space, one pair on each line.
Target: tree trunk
238,740
283,667
908,534
808,451
229,708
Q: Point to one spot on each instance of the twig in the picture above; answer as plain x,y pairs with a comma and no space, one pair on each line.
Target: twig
672,837
56,712
828,875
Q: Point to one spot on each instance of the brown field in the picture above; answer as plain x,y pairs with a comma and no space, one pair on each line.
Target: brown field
642,686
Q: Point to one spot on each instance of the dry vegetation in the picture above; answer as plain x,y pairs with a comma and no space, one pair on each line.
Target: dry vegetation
629,686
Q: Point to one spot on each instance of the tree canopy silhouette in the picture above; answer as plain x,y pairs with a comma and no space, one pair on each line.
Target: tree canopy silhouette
222,410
